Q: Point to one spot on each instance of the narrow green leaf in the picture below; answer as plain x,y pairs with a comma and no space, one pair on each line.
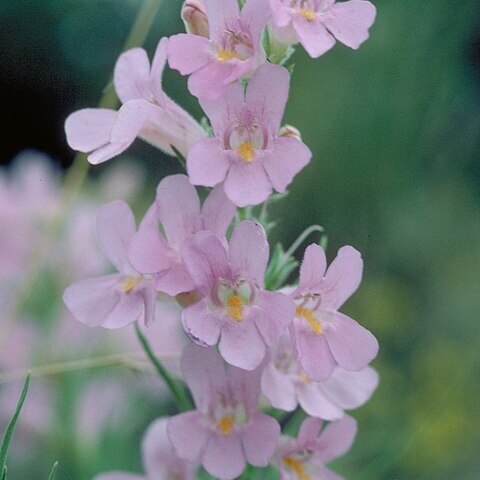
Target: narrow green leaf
183,402
4,473
11,427
53,473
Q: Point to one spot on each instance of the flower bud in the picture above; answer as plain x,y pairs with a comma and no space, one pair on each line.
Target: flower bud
194,16
289,131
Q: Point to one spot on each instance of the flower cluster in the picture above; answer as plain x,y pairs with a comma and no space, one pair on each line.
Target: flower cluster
249,343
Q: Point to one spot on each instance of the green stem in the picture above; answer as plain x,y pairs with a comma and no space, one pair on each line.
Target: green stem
11,427
53,472
177,390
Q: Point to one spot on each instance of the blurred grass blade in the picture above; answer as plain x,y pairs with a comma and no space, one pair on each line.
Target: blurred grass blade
53,473
11,428
177,390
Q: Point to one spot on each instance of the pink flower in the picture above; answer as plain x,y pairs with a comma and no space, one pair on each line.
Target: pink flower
159,459
177,210
317,23
146,112
286,385
115,300
226,430
232,51
234,310
247,152
324,337
304,458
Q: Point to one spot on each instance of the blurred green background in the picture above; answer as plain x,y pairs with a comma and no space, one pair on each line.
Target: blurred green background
395,131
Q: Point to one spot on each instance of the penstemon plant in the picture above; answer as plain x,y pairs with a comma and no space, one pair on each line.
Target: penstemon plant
268,361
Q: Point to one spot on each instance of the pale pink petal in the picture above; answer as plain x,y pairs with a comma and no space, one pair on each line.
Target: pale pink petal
90,301
260,439
349,21
350,389
155,444
312,269
313,36
188,53
247,184
221,14
130,120
174,280
149,252
211,81
352,345
309,431
280,14
245,387
315,403
206,260
267,95
156,72
221,111
201,324
336,439
127,310
249,251
204,372
115,229
149,296
188,435
273,314
131,75
90,128
107,152
288,158
218,212
255,14
223,457
241,345
279,389
342,278
178,209
313,353
207,163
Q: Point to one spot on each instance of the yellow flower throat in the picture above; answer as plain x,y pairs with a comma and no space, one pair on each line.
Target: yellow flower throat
297,466
310,318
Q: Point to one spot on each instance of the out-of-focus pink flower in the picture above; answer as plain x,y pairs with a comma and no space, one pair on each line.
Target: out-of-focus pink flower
226,430
233,50
147,112
286,385
304,458
159,459
115,300
177,211
234,311
194,15
247,152
317,23
324,337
